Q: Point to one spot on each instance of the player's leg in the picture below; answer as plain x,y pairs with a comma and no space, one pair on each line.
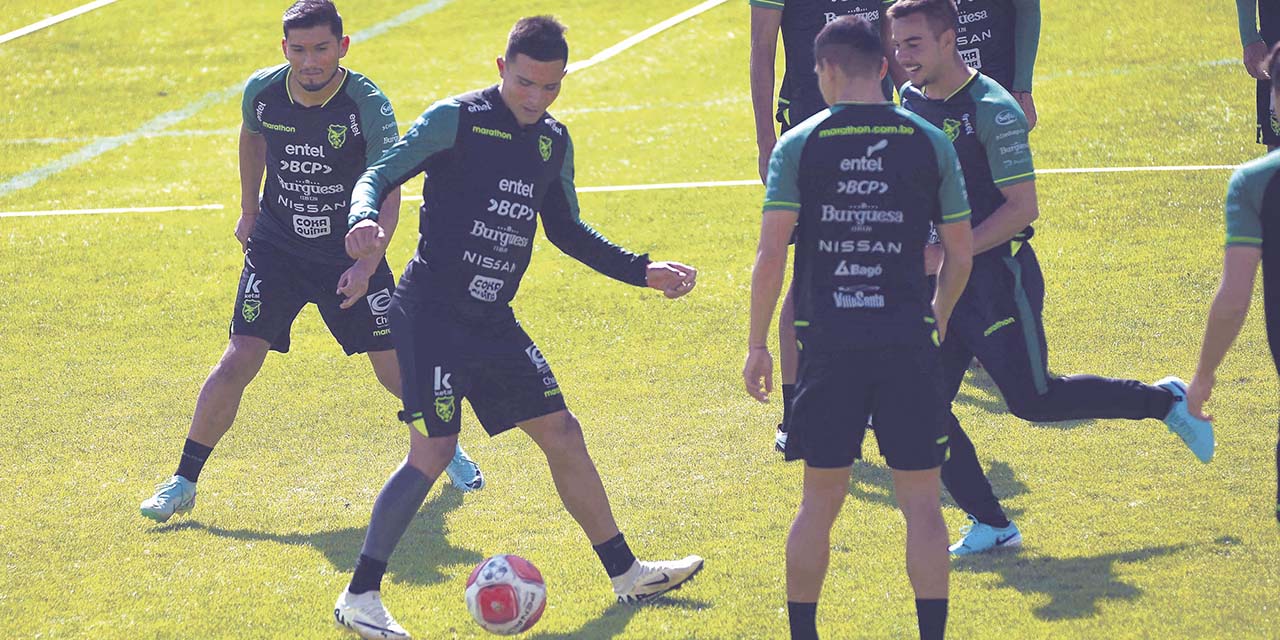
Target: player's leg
789,362
809,545
927,563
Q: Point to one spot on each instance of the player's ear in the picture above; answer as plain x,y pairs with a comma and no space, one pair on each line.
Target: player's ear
284,46
343,45
884,67
502,65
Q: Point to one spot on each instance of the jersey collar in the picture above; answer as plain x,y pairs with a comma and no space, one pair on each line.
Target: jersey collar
973,76
288,87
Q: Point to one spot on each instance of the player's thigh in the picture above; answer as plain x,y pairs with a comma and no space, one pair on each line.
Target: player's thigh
1006,334
513,384
429,351
830,409
911,415
365,326
269,296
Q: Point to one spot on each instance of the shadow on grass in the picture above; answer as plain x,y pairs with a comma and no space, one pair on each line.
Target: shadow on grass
1075,586
993,401
422,551
613,621
874,483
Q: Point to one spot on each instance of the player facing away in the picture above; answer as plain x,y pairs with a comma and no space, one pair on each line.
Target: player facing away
998,319
313,127
496,162
860,184
1259,22
1001,38
1253,236
800,21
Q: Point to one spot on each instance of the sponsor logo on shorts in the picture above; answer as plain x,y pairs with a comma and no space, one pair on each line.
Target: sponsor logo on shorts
444,401
386,110
251,308
337,135
485,289
536,357
544,147
1006,118
859,297
379,303
311,226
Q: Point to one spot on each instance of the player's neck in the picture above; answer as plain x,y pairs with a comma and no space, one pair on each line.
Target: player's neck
952,80
316,98
859,91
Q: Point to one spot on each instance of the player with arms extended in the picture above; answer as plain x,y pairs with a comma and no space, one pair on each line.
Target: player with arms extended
1253,237
496,163
860,185
313,127
998,319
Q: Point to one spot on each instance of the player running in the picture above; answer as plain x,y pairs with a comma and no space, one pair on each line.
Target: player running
312,126
1001,38
860,185
496,162
1253,236
1259,31
800,21
998,319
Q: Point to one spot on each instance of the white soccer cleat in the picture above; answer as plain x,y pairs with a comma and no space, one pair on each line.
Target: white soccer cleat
365,615
645,580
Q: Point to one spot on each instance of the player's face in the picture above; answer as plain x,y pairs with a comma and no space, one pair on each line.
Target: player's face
529,86
922,53
313,54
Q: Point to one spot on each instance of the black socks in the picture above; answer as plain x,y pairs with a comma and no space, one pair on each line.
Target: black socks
192,461
368,576
802,617
615,555
932,618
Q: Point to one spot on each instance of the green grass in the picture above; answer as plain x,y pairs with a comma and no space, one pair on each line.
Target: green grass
111,322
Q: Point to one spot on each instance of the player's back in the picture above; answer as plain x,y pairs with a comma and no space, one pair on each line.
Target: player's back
986,38
1253,220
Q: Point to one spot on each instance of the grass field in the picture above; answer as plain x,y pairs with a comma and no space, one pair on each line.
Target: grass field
111,323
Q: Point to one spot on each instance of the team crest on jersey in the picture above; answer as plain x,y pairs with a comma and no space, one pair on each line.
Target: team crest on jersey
544,147
337,135
1275,124
951,128
444,408
251,309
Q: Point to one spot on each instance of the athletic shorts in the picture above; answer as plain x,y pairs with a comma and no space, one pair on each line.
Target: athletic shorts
1268,124
898,389
492,363
275,286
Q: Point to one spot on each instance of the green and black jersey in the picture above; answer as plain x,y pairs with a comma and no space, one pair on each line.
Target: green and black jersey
1259,21
489,180
314,157
1000,38
799,96
989,132
867,181
1253,220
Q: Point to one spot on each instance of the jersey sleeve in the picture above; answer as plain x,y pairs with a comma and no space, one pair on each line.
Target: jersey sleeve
782,188
1247,16
379,119
252,87
565,228
435,131
768,4
1244,211
1002,130
1026,42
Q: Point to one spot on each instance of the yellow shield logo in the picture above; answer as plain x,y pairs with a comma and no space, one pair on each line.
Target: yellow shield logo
951,128
544,147
251,309
444,408
337,135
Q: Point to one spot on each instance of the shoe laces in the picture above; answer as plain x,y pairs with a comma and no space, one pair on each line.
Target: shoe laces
374,610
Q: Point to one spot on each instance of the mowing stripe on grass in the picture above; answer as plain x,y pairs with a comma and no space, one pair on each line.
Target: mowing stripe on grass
82,212
52,20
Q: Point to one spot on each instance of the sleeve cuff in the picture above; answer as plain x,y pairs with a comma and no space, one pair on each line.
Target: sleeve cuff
357,216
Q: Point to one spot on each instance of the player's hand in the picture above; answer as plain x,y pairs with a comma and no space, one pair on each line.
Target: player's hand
671,278
758,373
1028,105
1255,60
244,229
1198,393
366,240
933,254
765,152
354,283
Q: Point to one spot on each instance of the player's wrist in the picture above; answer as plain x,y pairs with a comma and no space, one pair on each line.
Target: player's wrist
359,216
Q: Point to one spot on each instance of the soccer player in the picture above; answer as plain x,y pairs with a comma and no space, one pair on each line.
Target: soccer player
860,184
496,163
998,319
1253,236
313,127
1259,31
800,21
1000,38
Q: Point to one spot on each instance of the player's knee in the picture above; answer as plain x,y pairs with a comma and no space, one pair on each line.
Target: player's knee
565,436
1029,408
432,455
237,367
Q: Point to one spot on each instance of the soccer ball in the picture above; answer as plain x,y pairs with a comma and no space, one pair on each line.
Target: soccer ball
506,595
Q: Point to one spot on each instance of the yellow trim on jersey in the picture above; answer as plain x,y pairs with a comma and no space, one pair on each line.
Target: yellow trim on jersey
1019,176
957,217
288,87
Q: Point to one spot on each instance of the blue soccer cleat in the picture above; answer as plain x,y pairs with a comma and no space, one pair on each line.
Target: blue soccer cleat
463,472
1197,434
980,537
175,495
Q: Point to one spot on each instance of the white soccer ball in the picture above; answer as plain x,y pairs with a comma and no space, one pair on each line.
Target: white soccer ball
506,595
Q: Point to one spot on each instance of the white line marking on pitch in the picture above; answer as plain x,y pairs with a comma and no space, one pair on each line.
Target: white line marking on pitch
82,212
52,20
643,35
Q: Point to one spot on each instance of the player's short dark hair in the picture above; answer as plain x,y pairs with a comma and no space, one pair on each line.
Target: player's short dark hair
1273,67
305,14
851,43
540,38
941,14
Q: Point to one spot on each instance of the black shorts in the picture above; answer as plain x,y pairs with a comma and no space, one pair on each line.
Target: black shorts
493,364
275,286
897,388
1268,124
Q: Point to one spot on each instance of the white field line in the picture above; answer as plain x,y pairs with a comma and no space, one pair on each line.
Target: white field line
710,184
167,120
52,20
643,35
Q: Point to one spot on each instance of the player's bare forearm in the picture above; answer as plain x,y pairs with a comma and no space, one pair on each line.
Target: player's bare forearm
957,263
1230,307
765,24
768,273
389,213
1019,210
253,164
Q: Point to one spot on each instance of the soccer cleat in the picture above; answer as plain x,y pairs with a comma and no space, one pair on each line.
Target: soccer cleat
365,615
1197,434
780,440
645,580
175,495
980,537
463,472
